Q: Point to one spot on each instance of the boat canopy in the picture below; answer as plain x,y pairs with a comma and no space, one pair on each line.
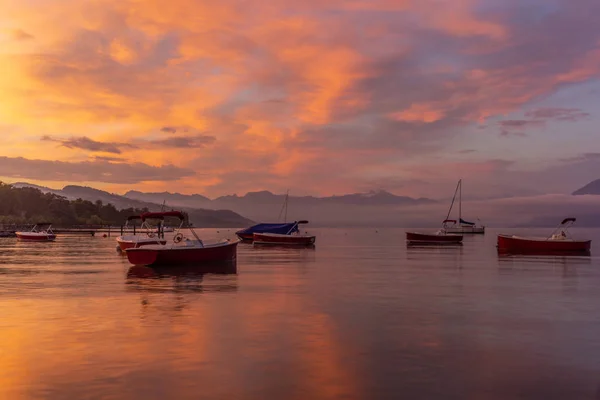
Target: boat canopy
567,220
283,229
449,220
161,215
463,222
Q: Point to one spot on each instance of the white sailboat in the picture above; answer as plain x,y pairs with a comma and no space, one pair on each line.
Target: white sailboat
464,227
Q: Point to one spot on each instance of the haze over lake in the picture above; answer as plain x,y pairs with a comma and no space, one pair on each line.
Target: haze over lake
361,316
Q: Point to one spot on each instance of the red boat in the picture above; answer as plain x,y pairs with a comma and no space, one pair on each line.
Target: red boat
131,241
438,238
41,232
183,251
283,240
560,241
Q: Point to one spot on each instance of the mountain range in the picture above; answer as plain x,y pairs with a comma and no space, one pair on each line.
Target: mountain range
203,218
372,198
375,208
591,188
358,209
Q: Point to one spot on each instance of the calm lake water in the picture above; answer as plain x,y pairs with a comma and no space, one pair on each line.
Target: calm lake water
361,316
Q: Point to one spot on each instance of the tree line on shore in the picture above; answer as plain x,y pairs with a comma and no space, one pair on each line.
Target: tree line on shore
29,206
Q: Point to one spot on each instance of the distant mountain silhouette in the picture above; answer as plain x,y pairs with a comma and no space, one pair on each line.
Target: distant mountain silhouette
41,188
590,188
264,197
198,216
194,200
588,220
358,209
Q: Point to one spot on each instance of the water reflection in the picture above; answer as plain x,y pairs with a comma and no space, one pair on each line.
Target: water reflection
267,255
540,263
447,255
364,317
222,278
505,253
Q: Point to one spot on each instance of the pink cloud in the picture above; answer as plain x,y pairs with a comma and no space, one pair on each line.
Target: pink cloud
324,95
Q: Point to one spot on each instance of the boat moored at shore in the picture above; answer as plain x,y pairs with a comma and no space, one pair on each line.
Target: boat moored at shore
148,237
41,232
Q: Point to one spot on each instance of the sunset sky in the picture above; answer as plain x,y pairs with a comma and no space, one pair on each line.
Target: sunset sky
321,97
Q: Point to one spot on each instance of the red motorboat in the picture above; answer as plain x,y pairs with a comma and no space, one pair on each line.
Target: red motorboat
283,240
560,241
182,251
131,241
41,232
438,238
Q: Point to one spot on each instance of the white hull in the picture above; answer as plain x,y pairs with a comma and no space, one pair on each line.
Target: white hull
466,230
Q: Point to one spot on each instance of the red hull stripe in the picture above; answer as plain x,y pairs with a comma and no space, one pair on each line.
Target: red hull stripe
284,239
508,243
182,256
421,237
36,238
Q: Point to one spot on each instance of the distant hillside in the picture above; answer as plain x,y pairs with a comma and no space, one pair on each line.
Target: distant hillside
373,198
583,221
194,200
590,188
357,209
198,216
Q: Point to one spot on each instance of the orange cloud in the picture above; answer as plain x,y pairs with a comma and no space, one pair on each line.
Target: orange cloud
419,113
286,89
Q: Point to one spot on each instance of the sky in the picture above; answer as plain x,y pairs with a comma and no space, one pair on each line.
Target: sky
319,97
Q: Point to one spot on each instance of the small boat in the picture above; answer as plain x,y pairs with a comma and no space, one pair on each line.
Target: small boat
41,232
288,228
441,237
559,242
182,251
148,237
279,228
276,239
463,226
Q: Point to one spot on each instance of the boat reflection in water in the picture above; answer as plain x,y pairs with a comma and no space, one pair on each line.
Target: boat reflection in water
429,245
215,277
542,254
534,262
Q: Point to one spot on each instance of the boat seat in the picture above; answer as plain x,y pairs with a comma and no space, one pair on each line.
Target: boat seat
194,243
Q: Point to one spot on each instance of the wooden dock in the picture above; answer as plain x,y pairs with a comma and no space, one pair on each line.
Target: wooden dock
91,230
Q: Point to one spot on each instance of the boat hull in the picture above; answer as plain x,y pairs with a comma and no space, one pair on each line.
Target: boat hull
287,228
130,243
424,238
246,237
274,239
467,230
182,255
36,237
523,245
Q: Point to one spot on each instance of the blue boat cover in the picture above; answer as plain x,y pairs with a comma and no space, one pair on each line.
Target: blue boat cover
463,222
282,229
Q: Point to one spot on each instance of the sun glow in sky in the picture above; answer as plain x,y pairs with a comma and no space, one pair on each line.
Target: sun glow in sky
319,97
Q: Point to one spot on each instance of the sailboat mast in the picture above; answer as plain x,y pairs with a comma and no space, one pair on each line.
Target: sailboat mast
287,196
460,201
453,198
284,207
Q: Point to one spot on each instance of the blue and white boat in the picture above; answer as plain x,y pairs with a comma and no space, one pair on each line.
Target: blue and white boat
287,228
